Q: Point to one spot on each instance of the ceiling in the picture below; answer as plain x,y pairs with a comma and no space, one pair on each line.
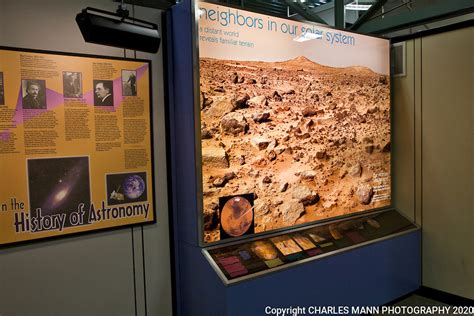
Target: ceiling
377,16
320,11
275,7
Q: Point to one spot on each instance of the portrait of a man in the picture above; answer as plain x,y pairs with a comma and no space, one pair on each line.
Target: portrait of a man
34,94
72,84
129,83
103,93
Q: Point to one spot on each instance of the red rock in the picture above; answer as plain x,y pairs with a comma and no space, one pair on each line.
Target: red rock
291,211
276,96
387,147
309,111
215,157
234,124
260,143
305,195
364,194
261,117
271,155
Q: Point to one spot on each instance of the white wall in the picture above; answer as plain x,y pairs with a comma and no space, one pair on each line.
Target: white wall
448,161
120,272
433,166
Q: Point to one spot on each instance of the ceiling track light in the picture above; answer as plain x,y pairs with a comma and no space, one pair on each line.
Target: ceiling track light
118,29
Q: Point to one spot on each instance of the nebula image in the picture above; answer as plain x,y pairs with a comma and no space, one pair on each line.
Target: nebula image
58,185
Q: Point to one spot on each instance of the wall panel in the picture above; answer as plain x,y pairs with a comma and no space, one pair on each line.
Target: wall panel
448,165
121,272
403,126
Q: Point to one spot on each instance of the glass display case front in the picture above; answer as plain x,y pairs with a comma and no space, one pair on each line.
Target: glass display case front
247,259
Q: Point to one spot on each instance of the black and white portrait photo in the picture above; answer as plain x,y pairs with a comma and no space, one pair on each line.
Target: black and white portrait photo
34,94
103,93
129,83
72,84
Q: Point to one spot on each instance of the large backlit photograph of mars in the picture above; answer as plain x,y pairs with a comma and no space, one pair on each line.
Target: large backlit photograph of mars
304,125
58,186
312,141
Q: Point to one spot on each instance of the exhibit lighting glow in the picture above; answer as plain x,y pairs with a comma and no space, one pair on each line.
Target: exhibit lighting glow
358,7
307,37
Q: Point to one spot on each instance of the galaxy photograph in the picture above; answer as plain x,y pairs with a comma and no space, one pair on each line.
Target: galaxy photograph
59,185
124,188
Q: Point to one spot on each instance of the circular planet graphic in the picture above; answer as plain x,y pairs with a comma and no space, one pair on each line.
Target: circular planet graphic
264,250
133,186
236,216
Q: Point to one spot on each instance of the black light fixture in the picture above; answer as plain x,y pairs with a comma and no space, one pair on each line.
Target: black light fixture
118,29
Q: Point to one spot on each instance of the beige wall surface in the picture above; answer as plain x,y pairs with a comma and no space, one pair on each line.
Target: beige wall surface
403,149
447,161
124,271
433,166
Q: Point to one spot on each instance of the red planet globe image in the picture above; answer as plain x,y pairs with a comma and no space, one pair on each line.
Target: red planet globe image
236,216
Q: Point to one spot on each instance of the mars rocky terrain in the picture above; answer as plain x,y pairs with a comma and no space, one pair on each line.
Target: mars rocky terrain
310,141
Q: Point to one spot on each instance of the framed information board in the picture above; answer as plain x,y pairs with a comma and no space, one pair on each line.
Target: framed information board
75,144
295,115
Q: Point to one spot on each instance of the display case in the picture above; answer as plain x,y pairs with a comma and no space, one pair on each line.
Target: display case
252,258
367,260
280,141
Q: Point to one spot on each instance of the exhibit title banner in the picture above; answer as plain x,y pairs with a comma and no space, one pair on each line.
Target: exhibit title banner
242,35
232,17
75,144
295,122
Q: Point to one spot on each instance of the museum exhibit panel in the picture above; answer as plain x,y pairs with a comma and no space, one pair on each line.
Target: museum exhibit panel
67,115
304,125
106,270
282,165
234,157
